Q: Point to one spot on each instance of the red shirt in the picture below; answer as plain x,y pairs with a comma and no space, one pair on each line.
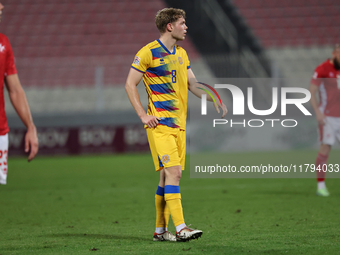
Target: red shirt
327,78
7,67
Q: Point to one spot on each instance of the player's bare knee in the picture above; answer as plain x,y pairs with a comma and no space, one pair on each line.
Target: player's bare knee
161,178
179,174
325,149
174,172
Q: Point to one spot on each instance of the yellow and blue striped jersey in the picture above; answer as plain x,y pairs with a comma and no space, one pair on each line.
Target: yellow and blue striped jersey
166,82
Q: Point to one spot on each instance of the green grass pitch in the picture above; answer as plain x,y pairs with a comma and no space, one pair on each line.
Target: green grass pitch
105,205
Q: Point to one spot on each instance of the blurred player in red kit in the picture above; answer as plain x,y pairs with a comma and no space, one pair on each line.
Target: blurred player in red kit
9,77
326,81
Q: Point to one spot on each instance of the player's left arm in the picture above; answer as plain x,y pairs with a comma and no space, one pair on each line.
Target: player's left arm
19,101
196,89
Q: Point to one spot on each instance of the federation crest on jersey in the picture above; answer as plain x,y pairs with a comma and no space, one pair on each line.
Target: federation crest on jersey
165,158
180,60
136,60
2,48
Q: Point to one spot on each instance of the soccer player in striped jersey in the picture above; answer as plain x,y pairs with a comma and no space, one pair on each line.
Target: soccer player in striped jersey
9,77
165,69
326,81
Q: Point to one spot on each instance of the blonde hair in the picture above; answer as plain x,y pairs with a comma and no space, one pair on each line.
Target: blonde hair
166,16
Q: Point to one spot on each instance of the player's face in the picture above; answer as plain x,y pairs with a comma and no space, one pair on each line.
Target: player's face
336,58
179,29
336,54
1,7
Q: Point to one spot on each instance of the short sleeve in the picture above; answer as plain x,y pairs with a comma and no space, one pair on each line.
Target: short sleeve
142,60
317,76
187,61
10,64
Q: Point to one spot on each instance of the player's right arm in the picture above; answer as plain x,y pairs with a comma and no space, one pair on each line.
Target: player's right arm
20,104
132,81
196,89
316,81
320,117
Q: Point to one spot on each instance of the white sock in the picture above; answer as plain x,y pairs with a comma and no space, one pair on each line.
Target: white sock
321,185
180,227
160,230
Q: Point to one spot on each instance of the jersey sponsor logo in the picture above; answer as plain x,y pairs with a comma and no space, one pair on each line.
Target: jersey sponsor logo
136,60
165,158
180,60
2,48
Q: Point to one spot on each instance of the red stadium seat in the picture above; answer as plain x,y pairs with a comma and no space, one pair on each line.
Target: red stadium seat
292,22
63,42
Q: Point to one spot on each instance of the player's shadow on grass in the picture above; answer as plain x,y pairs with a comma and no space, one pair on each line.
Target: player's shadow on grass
100,236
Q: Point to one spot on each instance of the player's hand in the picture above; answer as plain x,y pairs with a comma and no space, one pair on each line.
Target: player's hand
224,110
150,121
31,143
320,118
223,107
